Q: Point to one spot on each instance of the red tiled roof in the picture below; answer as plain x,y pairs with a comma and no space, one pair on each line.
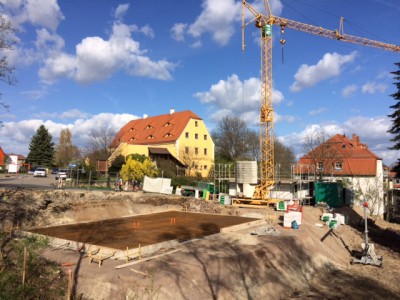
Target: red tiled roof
19,156
356,158
154,130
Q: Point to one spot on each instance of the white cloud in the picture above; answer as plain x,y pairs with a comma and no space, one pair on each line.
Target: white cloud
373,87
15,136
196,44
317,111
372,132
147,31
284,118
178,32
45,13
235,97
216,18
121,10
219,18
329,66
37,94
97,59
349,90
46,40
60,65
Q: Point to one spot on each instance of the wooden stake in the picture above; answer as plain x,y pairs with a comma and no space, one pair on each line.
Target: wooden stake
24,267
69,284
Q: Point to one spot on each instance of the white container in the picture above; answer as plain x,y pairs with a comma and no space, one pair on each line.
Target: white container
291,216
339,219
227,200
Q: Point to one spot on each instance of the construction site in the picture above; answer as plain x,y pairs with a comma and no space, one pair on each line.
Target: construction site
137,245
260,238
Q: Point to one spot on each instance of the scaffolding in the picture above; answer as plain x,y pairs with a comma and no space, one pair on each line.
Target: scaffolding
223,175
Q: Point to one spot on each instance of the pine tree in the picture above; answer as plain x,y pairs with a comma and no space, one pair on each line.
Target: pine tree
41,148
395,116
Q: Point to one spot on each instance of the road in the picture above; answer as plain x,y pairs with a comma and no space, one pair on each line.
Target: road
28,181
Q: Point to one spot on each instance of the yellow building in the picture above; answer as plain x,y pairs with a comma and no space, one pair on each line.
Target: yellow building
181,138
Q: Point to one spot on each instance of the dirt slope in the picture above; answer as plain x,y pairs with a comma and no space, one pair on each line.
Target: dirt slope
283,264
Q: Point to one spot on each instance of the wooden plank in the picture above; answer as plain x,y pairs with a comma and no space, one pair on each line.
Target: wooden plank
145,259
142,273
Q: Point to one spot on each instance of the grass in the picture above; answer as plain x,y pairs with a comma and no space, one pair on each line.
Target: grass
43,279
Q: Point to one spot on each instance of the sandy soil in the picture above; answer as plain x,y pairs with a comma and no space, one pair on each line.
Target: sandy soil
263,262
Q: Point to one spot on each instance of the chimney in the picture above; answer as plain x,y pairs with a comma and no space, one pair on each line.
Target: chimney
144,116
356,140
171,111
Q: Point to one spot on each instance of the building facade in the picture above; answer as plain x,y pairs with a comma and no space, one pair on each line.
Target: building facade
180,139
350,161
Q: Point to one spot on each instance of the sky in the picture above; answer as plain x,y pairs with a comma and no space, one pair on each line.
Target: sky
85,64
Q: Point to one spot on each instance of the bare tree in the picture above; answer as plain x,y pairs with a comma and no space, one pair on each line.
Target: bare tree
322,151
66,151
284,158
188,157
98,146
370,189
6,45
230,138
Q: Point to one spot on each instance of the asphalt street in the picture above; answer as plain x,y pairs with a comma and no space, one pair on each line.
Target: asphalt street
28,181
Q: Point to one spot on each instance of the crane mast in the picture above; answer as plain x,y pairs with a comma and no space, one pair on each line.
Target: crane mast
265,22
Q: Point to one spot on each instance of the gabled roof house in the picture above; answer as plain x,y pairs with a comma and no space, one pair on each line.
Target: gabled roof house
2,159
179,137
342,158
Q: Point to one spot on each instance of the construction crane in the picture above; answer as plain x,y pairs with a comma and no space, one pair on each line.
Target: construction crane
265,22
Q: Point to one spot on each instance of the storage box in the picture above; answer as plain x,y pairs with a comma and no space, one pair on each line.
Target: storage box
291,216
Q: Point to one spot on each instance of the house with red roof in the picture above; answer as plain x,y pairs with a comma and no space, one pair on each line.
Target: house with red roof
178,138
343,159
2,159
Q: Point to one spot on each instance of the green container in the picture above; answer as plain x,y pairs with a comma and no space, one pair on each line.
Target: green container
333,224
281,205
222,199
325,219
330,193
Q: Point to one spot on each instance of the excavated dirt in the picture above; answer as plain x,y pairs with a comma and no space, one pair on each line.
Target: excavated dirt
260,262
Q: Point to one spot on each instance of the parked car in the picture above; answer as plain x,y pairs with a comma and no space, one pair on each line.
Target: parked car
54,171
40,172
31,170
62,173
188,190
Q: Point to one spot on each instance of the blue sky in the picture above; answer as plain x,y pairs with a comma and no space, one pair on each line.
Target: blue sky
83,64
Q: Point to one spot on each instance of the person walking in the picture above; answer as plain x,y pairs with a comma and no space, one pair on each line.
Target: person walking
120,184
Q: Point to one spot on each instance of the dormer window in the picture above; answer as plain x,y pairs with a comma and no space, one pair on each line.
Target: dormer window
150,136
132,139
168,135
132,129
149,127
343,146
168,124
338,165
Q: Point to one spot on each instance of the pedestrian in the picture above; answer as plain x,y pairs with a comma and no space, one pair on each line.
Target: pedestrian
120,184
60,182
